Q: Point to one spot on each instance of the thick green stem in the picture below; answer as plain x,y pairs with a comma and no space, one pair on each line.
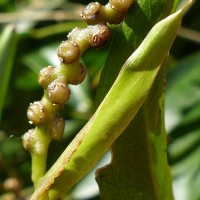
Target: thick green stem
39,155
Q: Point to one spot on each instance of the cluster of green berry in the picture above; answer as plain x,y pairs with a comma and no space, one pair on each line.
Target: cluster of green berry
54,80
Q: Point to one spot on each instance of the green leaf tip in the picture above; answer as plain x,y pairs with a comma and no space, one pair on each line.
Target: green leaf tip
155,37
120,105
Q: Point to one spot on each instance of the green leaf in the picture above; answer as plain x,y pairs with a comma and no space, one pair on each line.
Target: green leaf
183,116
139,168
180,87
120,105
8,44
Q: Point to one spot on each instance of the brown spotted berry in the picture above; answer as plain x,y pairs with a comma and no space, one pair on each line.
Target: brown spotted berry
58,92
121,5
100,36
46,76
36,113
68,51
29,139
92,13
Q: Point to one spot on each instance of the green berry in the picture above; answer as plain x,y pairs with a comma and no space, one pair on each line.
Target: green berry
58,92
113,16
100,35
46,76
92,13
80,76
68,51
28,139
36,113
121,5
74,73
32,143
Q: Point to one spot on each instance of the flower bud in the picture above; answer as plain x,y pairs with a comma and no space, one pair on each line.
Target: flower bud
36,113
46,76
121,5
58,92
100,36
68,51
92,13
58,128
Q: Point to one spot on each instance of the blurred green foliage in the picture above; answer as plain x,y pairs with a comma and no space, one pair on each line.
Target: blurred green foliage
39,27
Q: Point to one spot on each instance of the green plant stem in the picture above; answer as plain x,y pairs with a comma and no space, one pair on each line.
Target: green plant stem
39,155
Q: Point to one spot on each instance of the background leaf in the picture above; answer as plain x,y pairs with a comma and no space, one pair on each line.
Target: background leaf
183,117
8,44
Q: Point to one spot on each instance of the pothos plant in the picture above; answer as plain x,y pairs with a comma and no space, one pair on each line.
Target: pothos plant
129,116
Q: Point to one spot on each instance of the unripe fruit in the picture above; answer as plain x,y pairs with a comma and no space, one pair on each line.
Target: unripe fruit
92,13
80,75
75,73
46,76
58,92
112,15
32,143
121,5
36,113
100,36
58,128
68,51
29,139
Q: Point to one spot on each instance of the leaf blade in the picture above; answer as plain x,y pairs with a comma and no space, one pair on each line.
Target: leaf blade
8,43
